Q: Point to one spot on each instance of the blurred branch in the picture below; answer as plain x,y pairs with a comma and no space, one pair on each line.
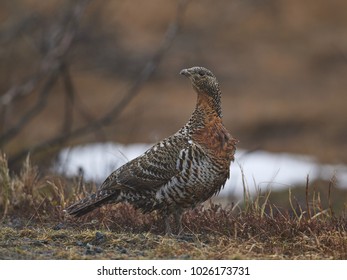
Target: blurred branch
56,47
133,91
71,102
69,99
30,114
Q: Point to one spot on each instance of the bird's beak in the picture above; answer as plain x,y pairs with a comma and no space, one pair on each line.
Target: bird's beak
186,72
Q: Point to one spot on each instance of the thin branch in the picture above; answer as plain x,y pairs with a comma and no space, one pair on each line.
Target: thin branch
50,66
72,101
133,91
69,99
66,28
20,90
32,112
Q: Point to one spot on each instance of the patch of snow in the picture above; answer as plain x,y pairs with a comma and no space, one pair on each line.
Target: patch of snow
261,170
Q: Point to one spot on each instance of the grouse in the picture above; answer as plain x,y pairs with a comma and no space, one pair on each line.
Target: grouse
180,171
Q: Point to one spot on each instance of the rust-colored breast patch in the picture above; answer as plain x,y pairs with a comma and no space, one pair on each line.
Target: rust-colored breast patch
215,138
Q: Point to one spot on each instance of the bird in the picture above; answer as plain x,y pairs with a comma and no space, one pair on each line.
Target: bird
180,171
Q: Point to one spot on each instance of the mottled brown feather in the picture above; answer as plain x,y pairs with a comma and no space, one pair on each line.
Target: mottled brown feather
180,171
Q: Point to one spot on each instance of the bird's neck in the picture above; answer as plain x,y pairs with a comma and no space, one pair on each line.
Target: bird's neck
211,105
207,109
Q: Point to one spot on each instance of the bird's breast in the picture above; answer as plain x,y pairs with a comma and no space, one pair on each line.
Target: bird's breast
216,140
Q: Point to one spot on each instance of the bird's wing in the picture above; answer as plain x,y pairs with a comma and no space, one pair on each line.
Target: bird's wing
151,170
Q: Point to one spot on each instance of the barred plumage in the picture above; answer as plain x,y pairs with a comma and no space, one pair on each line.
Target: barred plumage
180,171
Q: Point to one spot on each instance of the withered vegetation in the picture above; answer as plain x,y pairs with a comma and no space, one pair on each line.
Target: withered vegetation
34,225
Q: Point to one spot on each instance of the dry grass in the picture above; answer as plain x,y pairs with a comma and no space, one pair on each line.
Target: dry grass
35,227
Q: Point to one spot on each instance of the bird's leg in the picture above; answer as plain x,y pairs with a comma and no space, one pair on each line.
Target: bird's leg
168,230
178,220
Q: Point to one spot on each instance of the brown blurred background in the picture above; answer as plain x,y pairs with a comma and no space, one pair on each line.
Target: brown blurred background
282,66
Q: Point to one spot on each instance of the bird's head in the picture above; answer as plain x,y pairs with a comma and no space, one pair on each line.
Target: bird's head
204,82
202,79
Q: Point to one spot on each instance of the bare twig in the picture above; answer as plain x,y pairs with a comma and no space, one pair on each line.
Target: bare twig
73,102
50,66
133,91
69,99
31,113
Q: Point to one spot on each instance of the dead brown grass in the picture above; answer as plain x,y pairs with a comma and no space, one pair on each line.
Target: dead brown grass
35,227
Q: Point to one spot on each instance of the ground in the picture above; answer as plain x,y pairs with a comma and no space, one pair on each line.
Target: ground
34,225
265,240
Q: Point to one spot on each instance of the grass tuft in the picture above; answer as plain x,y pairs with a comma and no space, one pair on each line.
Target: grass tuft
35,227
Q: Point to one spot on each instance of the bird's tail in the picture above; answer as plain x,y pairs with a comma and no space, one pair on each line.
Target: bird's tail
91,202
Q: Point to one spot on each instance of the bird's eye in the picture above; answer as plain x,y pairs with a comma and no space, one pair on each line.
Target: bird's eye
201,73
